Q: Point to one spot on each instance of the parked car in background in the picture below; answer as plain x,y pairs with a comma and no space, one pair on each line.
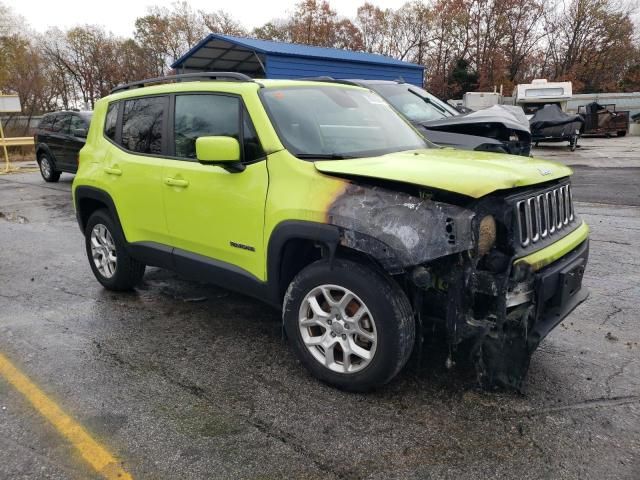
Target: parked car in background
497,129
58,140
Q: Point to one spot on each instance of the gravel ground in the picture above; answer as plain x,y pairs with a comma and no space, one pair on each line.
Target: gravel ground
183,380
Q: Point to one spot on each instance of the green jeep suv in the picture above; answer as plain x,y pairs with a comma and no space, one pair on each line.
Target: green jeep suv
320,199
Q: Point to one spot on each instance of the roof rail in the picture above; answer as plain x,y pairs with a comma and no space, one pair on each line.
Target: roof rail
239,77
328,79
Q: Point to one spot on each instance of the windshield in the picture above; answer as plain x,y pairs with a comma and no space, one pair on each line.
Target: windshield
337,122
416,104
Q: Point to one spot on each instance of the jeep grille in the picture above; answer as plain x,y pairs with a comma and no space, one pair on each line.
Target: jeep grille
544,214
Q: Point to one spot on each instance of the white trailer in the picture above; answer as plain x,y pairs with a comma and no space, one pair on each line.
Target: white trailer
535,95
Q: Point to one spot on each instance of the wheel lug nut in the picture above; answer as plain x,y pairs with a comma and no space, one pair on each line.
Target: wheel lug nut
333,334
346,326
329,321
344,337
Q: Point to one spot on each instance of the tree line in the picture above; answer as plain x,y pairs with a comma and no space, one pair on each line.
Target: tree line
465,45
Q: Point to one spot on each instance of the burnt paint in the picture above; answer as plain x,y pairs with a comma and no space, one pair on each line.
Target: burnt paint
400,229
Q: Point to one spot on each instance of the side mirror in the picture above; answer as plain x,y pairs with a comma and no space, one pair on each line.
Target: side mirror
224,150
79,132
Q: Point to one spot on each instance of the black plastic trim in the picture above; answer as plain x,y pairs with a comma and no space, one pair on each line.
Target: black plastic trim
550,313
84,192
328,235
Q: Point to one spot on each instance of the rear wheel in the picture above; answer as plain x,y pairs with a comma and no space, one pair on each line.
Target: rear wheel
47,168
110,262
350,325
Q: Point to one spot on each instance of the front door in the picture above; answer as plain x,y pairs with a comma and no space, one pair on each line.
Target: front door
210,211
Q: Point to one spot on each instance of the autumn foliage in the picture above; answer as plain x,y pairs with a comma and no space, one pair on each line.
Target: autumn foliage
464,44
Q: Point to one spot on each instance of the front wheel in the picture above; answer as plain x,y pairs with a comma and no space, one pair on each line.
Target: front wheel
110,262
350,325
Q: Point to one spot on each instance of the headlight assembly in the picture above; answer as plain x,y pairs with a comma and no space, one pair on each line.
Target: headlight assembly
486,234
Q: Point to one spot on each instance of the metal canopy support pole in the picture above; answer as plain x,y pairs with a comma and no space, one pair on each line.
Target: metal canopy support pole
264,70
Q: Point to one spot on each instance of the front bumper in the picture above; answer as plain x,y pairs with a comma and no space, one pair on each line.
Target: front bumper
507,315
558,290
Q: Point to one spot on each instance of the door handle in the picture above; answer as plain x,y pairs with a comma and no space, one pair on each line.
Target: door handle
113,171
176,182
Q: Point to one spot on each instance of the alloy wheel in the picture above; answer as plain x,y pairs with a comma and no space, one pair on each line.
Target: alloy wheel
103,251
338,329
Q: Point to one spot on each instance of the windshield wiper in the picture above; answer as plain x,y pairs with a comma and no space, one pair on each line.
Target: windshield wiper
323,156
428,100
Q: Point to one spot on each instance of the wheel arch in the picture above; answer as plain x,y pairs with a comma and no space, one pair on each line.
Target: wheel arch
293,245
90,199
44,148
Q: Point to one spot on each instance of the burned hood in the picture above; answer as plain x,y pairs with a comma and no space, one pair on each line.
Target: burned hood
509,116
474,174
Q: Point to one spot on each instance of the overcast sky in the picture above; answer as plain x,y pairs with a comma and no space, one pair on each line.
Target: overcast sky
119,15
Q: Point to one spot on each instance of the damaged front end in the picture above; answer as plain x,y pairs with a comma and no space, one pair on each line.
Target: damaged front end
498,273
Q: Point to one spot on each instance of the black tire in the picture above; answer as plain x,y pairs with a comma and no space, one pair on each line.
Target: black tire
622,133
48,174
128,271
389,307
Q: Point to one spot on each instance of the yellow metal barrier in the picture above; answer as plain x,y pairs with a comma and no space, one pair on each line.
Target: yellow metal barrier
16,142
13,142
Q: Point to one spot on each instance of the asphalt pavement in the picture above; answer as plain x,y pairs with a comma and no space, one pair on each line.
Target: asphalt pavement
181,380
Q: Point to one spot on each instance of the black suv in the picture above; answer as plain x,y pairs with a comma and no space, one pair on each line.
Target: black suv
58,139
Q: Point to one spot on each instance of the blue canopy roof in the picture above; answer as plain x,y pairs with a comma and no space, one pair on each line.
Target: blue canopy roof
215,41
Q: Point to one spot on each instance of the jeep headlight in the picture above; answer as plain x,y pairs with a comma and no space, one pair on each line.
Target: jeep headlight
486,234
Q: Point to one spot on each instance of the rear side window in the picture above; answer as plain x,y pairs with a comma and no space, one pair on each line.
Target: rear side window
142,125
111,120
61,124
45,123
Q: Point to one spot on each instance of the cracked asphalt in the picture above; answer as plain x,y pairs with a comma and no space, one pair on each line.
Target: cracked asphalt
184,380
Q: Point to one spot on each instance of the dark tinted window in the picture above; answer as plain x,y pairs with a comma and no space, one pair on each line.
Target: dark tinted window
61,123
201,116
142,125
252,148
110,121
46,122
77,122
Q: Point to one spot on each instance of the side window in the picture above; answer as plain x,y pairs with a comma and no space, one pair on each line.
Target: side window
201,116
45,123
63,123
77,122
142,125
56,123
111,120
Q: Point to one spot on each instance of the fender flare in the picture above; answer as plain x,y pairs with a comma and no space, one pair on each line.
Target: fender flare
96,194
328,235
43,147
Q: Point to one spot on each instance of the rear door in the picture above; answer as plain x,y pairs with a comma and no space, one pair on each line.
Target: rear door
75,140
211,211
132,166
56,139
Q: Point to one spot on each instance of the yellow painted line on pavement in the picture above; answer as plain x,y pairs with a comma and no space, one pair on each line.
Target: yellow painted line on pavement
95,454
